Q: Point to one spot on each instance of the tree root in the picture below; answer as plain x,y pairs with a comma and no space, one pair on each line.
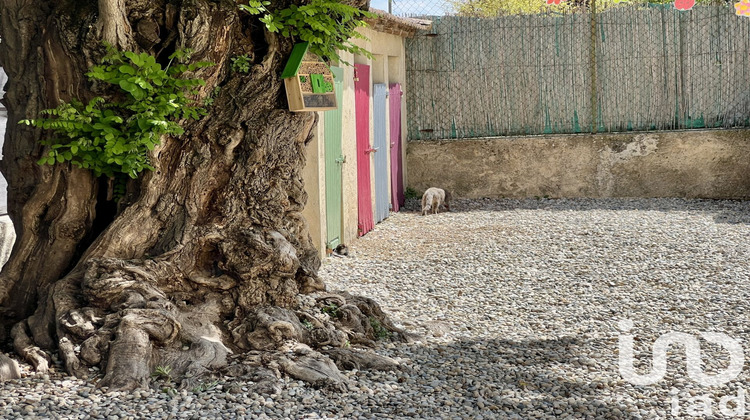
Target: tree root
26,348
132,321
349,359
313,368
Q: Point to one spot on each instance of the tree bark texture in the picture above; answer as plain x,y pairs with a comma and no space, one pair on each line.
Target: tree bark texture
205,256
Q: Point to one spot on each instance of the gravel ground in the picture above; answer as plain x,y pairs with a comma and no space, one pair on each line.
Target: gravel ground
518,305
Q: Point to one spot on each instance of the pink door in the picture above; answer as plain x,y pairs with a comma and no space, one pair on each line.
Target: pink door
397,176
362,114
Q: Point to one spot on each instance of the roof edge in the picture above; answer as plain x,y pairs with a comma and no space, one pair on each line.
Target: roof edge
405,27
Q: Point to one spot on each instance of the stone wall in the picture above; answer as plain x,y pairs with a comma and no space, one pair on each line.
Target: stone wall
691,164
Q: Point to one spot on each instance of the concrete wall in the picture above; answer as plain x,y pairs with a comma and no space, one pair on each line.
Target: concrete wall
691,164
387,66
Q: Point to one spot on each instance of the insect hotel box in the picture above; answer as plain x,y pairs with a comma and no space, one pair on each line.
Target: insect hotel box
308,81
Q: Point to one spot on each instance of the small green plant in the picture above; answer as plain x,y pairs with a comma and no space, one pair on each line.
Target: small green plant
169,390
381,333
307,324
241,64
303,79
162,372
212,97
332,310
410,193
205,386
328,25
347,344
114,137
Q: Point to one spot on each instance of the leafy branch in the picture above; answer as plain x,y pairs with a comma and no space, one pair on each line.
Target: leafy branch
115,137
328,25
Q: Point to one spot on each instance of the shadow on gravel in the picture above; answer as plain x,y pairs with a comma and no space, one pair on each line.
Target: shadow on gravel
734,217
505,379
723,211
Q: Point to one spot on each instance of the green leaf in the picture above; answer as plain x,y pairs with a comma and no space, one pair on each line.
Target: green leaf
127,86
149,60
127,69
326,24
134,58
111,137
142,83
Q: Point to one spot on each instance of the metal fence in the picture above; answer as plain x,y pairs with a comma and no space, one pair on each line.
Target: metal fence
626,68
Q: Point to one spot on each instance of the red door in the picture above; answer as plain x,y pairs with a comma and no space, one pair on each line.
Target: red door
397,176
362,114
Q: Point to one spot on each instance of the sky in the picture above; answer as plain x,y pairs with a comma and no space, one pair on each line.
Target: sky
429,7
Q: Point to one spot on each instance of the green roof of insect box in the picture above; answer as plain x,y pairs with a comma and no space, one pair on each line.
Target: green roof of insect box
295,60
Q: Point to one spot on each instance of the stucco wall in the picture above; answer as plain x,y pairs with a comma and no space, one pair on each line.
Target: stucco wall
386,66
313,176
693,164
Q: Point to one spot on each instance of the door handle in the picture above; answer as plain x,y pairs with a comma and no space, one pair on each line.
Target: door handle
341,159
368,151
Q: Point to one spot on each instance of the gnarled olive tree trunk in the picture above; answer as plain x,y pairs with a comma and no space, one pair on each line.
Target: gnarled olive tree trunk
206,255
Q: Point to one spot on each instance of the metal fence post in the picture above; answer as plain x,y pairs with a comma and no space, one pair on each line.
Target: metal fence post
592,68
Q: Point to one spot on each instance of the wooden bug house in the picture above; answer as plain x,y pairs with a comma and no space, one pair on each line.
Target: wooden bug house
308,81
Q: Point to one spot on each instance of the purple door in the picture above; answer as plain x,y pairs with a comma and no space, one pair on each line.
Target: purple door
362,116
397,175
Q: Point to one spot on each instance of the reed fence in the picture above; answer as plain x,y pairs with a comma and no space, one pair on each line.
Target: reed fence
645,67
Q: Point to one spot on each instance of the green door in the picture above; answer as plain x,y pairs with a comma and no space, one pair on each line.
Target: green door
334,161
